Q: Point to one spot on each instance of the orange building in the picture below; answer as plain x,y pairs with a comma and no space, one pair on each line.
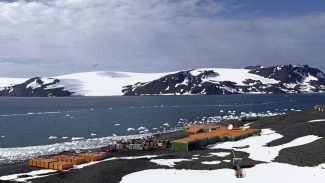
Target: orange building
210,134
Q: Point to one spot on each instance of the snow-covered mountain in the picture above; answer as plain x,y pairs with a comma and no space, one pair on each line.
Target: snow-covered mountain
203,81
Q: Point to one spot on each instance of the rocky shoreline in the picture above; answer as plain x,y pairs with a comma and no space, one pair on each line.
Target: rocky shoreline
291,126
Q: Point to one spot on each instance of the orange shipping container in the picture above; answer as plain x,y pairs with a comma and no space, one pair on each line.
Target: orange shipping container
59,165
93,156
47,162
75,160
30,162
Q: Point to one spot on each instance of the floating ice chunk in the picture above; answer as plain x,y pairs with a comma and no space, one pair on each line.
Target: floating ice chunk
65,137
114,135
154,128
227,160
117,124
130,129
142,128
53,137
2,136
77,138
93,134
165,124
71,117
24,153
110,108
68,115
144,131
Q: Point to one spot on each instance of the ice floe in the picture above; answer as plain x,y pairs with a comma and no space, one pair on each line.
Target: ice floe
77,138
53,137
130,129
8,155
142,128
44,113
144,131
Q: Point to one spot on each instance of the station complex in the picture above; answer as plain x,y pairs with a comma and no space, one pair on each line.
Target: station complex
198,136
203,135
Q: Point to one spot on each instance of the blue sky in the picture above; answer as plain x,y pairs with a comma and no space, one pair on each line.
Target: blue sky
276,8
53,37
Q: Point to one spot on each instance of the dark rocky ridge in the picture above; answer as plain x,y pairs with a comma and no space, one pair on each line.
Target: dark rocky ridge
40,90
288,79
184,82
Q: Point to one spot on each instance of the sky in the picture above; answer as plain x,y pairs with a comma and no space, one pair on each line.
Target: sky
55,37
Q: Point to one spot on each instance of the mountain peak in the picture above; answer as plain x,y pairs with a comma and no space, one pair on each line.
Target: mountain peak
202,81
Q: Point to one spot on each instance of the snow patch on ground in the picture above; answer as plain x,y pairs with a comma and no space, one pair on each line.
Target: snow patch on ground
266,173
316,120
221,154
168,162
47,172
30,175
233,75
256,145
211,162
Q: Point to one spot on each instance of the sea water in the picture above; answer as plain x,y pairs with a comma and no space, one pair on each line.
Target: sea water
72,121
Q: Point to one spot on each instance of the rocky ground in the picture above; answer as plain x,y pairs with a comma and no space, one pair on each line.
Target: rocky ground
291,126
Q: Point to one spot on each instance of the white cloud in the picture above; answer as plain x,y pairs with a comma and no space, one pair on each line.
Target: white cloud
152,35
